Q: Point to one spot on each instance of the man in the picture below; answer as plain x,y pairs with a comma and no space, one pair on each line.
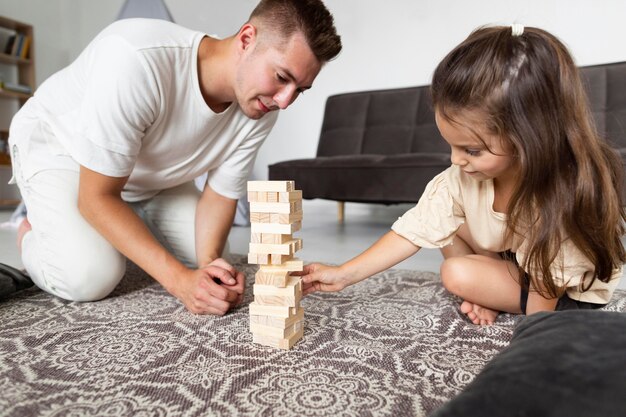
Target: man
106,151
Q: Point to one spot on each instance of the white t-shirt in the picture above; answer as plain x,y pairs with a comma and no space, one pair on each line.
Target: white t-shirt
131,104
453,198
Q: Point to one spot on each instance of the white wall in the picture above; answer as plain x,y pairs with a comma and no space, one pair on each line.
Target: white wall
397,43
391,43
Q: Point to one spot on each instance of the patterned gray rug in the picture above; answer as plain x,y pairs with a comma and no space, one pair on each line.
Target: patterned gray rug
393,345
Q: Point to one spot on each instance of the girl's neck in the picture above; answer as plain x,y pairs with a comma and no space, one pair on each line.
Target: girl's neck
503,187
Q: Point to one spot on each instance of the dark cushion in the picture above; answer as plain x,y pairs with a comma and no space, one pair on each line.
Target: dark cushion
363,178
606,87
380,122
569,363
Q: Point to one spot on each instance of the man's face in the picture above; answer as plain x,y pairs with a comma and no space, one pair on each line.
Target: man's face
271,75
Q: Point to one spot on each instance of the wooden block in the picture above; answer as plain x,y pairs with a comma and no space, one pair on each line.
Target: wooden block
276,278
260,218
277,186
278,300
272,310
252,258
259,258
288,248
294,264
279,343
292,288
296,245
274,238
283,218
282,208
278,259
269,249
263,197
276,228
280,322
289,196
277,332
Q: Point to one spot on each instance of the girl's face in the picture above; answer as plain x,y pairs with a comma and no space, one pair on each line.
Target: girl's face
478,153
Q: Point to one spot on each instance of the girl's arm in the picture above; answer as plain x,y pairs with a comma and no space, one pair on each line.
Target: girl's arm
388,251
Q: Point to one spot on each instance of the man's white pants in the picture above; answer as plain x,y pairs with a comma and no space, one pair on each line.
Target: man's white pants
65,256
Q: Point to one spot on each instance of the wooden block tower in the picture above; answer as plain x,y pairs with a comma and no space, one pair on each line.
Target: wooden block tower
276,318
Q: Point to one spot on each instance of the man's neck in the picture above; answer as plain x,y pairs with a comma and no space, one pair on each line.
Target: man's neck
215,72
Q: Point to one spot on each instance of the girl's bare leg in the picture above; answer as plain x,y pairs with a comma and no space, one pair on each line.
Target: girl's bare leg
485,282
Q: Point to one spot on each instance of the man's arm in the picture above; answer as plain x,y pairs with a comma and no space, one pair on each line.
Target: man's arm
100,203
214,217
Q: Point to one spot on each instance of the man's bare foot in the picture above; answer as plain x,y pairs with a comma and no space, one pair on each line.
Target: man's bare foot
479,314
22,229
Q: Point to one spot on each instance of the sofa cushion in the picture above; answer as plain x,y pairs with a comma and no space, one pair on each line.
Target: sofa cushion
380,122
570,364
606,87
363,178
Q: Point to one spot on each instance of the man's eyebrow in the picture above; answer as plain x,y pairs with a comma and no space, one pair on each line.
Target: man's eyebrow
289,75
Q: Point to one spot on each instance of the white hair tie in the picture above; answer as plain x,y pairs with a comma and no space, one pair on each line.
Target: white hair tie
517,29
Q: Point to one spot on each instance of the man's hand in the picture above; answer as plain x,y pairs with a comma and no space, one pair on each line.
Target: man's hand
201,294
239,284
209,290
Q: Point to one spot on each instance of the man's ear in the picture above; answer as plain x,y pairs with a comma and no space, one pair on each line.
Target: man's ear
246,36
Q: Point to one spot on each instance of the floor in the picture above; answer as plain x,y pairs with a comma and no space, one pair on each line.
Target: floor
324,238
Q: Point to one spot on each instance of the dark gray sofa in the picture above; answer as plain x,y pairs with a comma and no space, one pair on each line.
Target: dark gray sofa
383,146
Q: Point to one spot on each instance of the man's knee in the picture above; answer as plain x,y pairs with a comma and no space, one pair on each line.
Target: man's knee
85,280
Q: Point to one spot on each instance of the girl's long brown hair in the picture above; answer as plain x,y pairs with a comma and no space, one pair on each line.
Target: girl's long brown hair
570,183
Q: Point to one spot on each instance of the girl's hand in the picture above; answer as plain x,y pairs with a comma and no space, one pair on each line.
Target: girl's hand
320,277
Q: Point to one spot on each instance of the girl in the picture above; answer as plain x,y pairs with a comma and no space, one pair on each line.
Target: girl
529,215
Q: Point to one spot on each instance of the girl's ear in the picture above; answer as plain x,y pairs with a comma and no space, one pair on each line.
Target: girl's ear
246,37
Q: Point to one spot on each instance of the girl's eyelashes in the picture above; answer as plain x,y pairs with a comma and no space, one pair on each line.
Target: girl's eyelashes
472,152
281,78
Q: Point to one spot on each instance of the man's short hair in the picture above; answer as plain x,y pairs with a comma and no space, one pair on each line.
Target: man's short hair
310,17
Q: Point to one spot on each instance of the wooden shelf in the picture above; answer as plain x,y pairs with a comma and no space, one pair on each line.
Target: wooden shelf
14,94
5,204
25,66
22,73
10,59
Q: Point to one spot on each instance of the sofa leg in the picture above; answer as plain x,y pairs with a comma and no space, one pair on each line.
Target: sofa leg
341,209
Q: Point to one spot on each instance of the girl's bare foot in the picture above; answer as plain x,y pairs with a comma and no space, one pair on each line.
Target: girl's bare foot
479,314
22,229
